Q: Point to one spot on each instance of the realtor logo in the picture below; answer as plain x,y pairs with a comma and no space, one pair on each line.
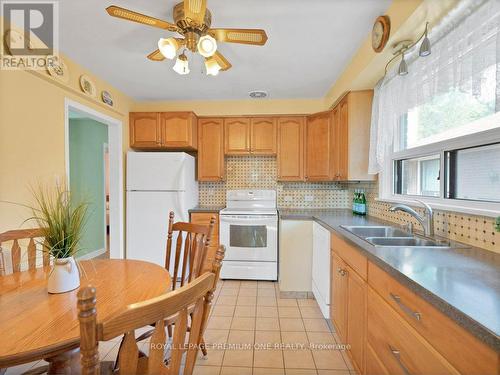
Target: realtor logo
29,33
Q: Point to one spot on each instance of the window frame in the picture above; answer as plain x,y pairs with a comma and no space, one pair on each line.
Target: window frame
387,186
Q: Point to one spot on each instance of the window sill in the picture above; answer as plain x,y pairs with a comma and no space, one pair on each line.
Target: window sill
470,208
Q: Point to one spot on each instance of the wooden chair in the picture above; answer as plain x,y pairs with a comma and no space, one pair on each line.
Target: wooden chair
15,251
189,259
188,301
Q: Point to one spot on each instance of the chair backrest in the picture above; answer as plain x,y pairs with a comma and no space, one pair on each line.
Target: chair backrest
15,236
179,303
190,252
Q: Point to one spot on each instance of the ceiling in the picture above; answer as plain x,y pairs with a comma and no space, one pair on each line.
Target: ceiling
310,43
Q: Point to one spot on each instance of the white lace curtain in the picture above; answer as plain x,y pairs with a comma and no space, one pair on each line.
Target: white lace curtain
464,44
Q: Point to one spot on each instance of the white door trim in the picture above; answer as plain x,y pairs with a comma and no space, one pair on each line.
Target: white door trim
116,195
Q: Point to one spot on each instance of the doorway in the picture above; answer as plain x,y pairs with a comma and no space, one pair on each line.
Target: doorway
94,169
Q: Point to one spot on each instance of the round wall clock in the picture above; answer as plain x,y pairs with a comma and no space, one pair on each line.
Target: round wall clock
380,33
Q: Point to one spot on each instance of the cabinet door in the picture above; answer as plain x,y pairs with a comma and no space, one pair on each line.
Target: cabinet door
356,318
263,136
318,151
236,136
210,149
342,141
291,149
145,130
338,290
179,130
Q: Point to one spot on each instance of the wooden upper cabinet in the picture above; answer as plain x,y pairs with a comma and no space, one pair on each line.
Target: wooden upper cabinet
179,130
211,149
291,148
263,134
145,130
237,136
318,148
351,137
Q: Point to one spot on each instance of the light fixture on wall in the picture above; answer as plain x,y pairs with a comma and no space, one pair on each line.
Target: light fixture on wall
401,47
182,64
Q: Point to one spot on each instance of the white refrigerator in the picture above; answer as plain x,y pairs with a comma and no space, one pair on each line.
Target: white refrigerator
157,183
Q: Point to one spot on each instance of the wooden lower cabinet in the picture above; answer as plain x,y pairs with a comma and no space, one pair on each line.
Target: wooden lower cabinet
373,364
399,347
356,322
338,299
204,219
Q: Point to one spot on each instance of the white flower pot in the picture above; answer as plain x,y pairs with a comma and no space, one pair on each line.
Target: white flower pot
64,276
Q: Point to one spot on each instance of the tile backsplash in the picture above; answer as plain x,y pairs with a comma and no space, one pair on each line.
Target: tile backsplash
259,172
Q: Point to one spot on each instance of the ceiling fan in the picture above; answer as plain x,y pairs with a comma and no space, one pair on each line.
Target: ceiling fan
193,21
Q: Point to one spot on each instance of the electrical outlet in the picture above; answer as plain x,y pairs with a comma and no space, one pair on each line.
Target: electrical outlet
288,198
211,192
309,198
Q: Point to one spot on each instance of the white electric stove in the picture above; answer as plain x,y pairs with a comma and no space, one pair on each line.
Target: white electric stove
249,231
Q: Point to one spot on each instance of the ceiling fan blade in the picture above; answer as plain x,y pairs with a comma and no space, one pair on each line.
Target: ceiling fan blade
156,56
222,61
130,15
195,10
244,36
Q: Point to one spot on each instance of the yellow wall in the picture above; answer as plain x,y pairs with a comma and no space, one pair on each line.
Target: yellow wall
32,139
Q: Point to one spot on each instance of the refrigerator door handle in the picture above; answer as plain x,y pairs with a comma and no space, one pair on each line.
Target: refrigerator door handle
180,204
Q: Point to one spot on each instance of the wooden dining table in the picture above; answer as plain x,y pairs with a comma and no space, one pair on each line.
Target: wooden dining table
37,325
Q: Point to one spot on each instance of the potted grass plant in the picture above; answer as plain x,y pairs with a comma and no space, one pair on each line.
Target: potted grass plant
497,224
62,220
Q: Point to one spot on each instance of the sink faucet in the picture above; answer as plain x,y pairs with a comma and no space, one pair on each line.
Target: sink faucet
427,221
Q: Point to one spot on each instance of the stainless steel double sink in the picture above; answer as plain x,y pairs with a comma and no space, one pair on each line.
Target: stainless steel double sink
387,236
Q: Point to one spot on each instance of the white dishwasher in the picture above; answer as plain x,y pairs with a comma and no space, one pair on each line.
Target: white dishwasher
321,268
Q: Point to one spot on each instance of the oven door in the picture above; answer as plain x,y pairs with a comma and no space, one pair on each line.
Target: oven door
250,237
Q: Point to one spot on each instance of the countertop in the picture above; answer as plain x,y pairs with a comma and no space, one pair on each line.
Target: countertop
464,284
206,209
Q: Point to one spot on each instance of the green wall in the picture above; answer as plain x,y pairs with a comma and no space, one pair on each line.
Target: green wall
86,166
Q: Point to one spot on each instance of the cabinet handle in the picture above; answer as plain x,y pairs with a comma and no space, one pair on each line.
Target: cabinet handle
397,355
406,309
341,272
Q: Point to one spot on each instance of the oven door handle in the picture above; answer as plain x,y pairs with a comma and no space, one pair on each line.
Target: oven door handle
250,219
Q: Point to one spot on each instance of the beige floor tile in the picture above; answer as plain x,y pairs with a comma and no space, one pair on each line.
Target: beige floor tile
320,338
238,357
247,284
267,311
214,358
288,312
291,324
267,324
232,283
215,336
333,372
223,310
290,302
307,302
266,301
298,339
246,300
298,359
266,292
266,284
229,292
316,325
206,370
329,360
267,337
248,292
226,300
243,323
219,322
245,311
236,371
311,312
268,371
295,371
237,337
268,358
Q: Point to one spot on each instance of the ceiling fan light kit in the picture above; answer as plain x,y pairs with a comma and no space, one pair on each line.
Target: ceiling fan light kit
193,21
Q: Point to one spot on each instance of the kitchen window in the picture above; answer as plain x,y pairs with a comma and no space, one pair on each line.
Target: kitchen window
436,131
